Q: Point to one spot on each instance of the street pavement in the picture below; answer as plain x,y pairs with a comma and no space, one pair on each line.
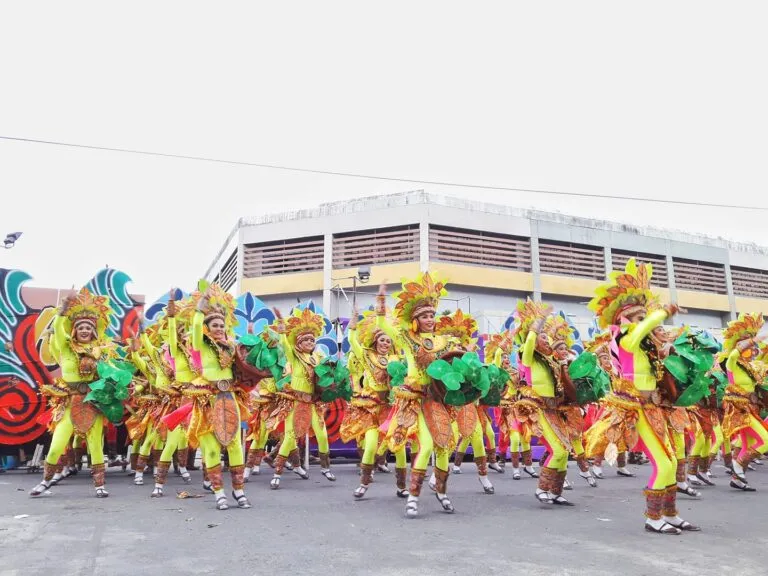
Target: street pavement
316,527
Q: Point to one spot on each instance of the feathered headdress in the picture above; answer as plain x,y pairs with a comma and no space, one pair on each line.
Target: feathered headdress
303,322
745,326
626,292
459,326
526,314
501,341
368,330
90,308
600,344
559,331
417,297
220,305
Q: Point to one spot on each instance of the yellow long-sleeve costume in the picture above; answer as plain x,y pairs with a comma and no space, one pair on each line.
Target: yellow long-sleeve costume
78,361
220,405
511,431
471,421
369,406
297,407
416,415
542,403
634,408
741,403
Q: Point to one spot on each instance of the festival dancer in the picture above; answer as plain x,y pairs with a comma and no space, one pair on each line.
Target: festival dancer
741,402
414,416
169,389
220,405
79,335
547,391
143,423
263,403
600,346
468,421
298,407
372,352
633,406
500,348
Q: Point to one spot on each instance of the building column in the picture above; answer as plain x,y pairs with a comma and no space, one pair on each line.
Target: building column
729,285
327,272
535,267
424,245
240,262
671,276
608,256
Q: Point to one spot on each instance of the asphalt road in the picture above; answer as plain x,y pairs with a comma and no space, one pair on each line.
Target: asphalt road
316,527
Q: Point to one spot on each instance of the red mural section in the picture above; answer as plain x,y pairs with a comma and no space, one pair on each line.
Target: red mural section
26,364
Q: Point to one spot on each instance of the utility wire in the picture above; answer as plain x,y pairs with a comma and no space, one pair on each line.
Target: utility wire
384,178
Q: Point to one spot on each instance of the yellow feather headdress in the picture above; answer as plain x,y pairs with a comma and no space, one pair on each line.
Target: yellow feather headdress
745,326
417,297
220,304
459,326
559,331
527,313
303,322
368,330
91,308
601,343
623,293
498,341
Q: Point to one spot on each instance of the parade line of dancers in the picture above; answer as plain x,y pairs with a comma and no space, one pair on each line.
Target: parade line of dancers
414,378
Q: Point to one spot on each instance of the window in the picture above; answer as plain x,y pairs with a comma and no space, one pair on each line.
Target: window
660,276
700,276
479,248
567,259
379,246
283,257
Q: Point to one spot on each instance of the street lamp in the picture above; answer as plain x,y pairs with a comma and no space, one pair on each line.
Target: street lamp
10,240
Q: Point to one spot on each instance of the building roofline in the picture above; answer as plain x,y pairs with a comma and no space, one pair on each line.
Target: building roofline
420,197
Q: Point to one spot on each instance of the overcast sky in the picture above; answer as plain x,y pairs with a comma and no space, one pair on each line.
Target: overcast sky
656,99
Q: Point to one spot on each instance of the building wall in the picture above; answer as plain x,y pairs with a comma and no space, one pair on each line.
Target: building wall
489,292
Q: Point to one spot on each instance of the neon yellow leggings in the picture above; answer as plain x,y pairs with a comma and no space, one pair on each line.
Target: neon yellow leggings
259,441
578,446
678,439
558,454
211,450
422,449
176,439
371,448
152,441
718,440
664,466
401,458
478,445
517,442
727,448
753,438
701,445
63,433
318,427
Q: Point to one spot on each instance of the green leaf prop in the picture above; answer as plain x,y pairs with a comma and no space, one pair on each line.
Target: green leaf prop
333,378
438,369
111,390
691,365
678,367
590,380
397,372
583,366
267,357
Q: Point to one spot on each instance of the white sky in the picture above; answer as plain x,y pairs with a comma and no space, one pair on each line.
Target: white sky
658,99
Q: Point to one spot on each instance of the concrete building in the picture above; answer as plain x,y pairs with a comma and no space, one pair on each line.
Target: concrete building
491,255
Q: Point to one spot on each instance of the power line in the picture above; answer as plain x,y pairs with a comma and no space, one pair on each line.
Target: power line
384,178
